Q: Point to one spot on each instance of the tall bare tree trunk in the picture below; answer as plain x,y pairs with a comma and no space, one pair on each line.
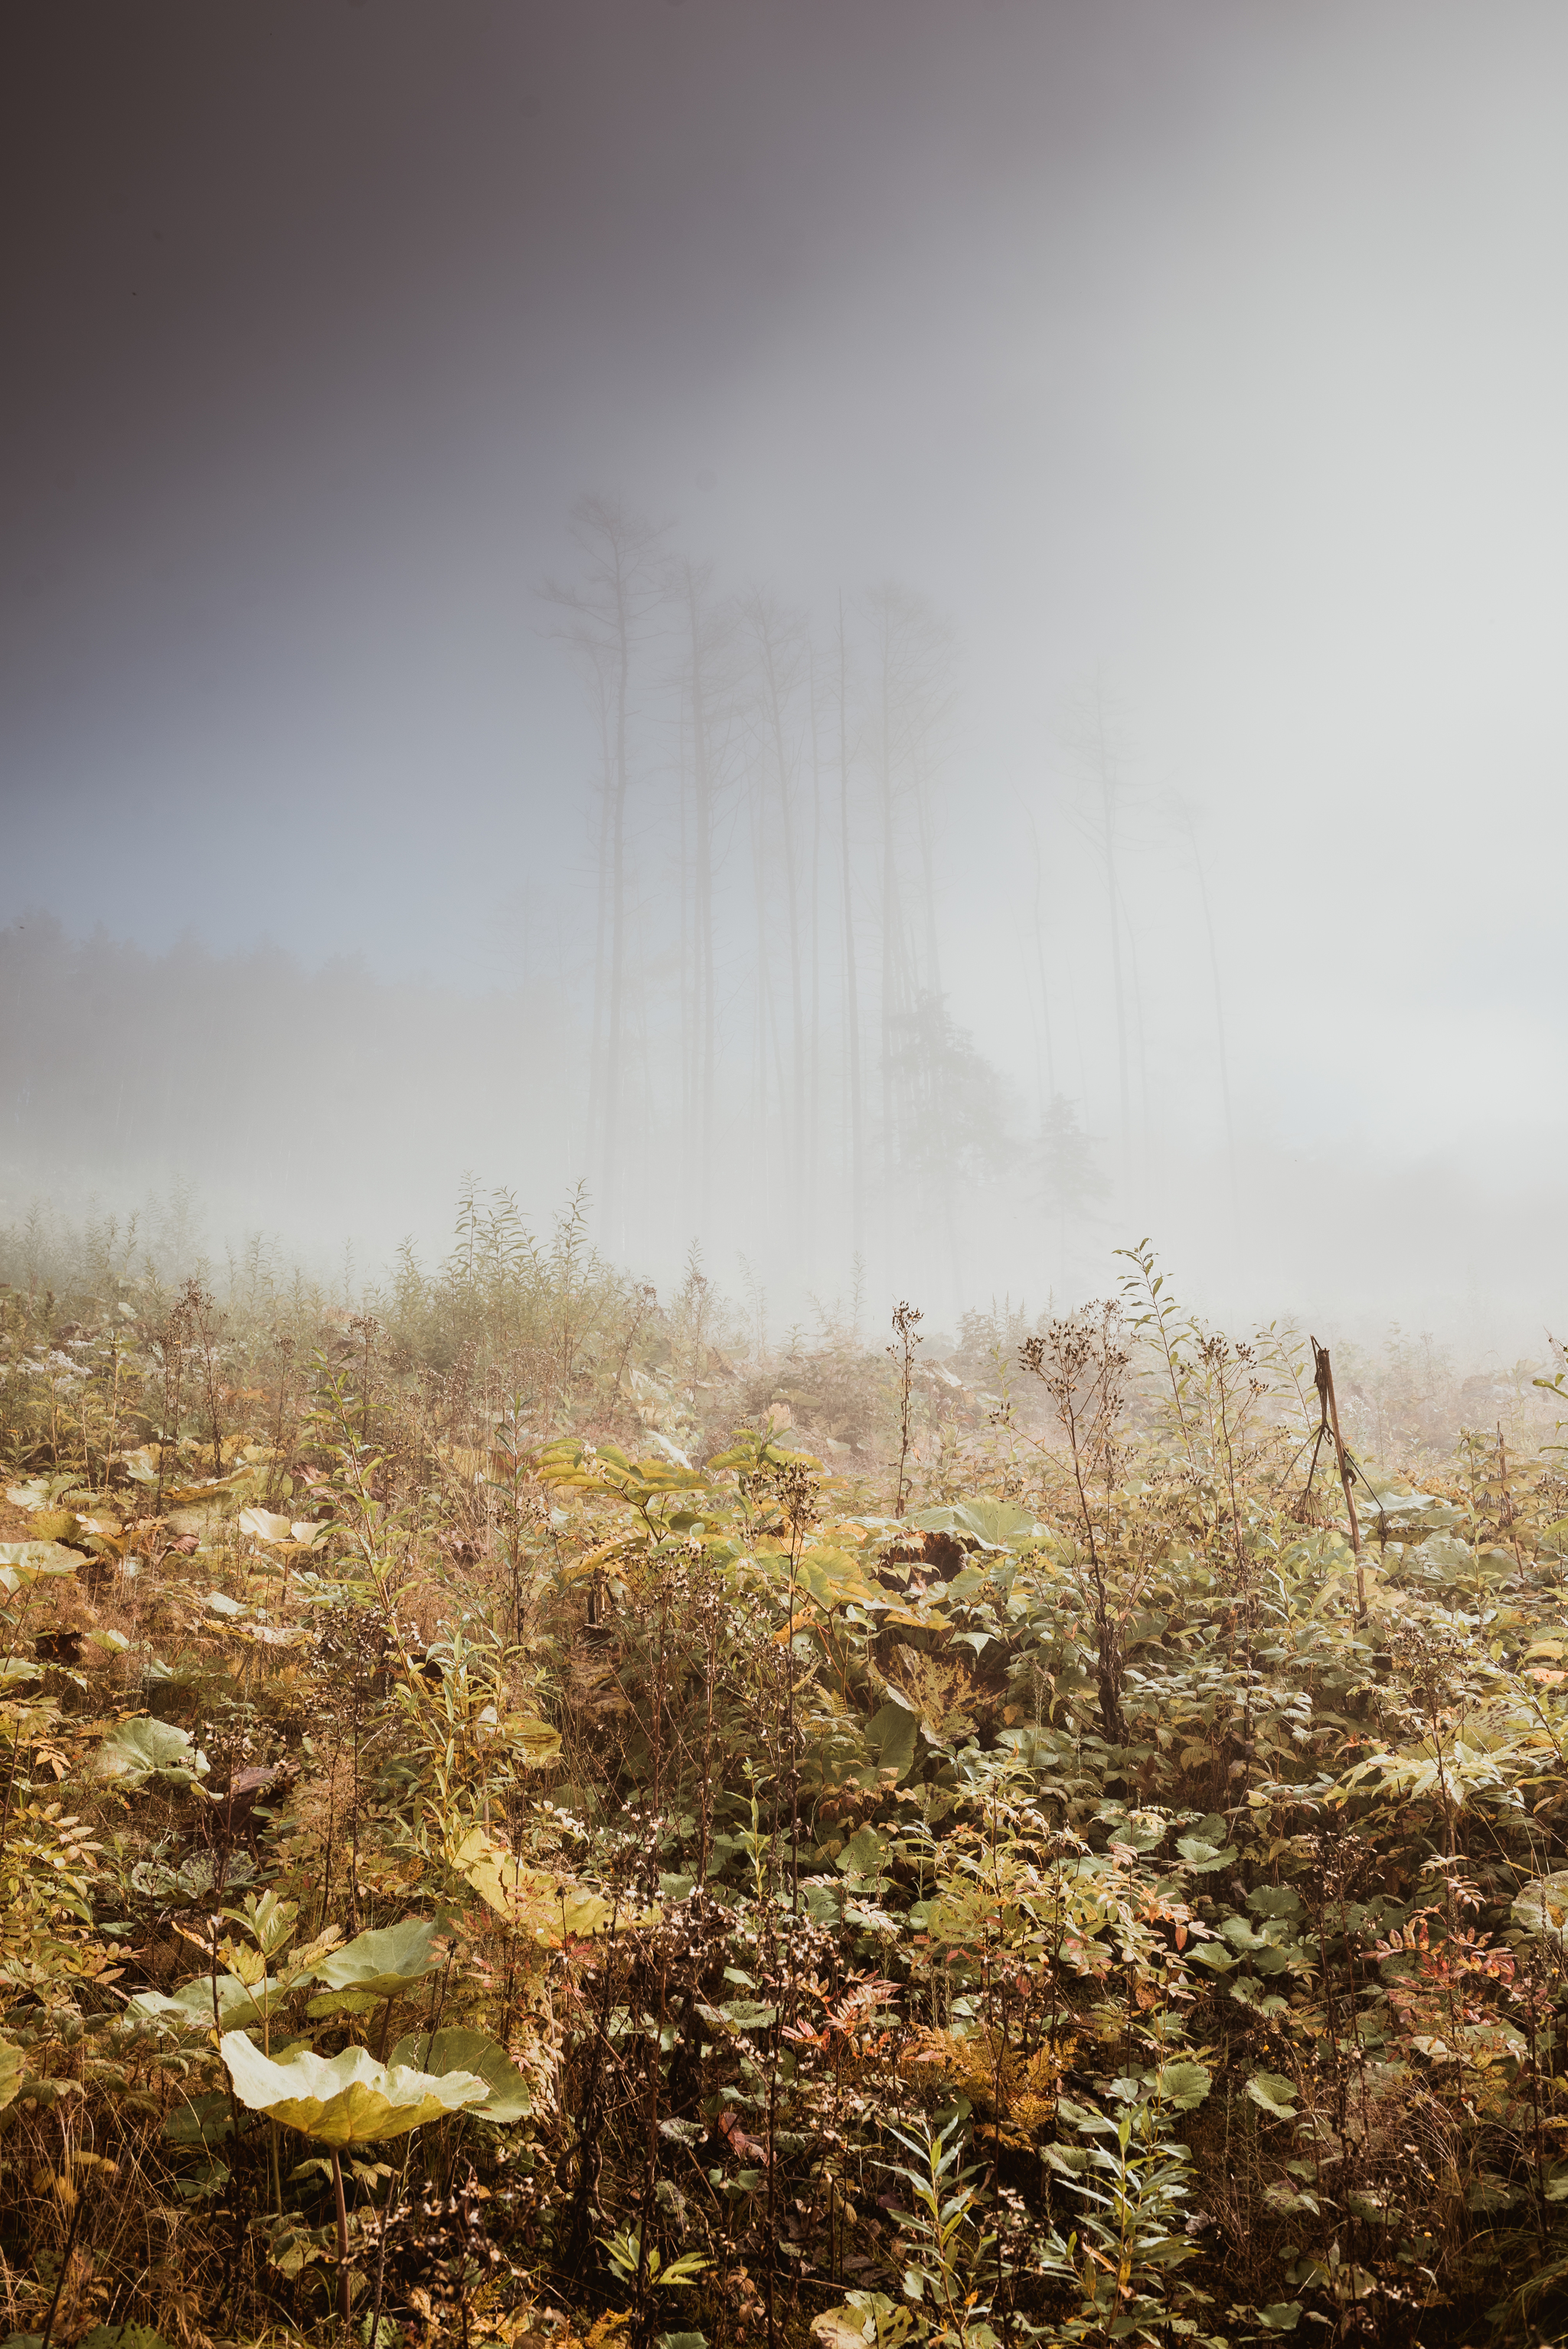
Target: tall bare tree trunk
610,1184
1040,963
778,650
700,685
855,1119
767,1033
1107,831
689,983
1189,825
814,1137
605,617
927,864
893,1003
1141,1033
602,902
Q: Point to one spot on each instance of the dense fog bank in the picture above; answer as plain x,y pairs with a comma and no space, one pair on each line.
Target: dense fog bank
340,1112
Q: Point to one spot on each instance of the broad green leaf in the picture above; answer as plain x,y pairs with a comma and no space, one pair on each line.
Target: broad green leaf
998,1525
836,1580
748,2013
384,1962
1184,2085
1082,2116
865,1854
122,2337
12,2067
509,2097
200,2120
891,1735
135,1751
1214,1955
1274,1900
1273,2094
350,2099
191,2009
1203,1856
1280,2315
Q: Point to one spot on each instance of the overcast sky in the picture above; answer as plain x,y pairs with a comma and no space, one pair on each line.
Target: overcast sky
1215,353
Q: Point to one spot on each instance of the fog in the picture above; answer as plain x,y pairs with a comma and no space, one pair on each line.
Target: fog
914,641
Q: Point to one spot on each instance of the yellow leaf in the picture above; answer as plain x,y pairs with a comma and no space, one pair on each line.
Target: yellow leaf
548,1907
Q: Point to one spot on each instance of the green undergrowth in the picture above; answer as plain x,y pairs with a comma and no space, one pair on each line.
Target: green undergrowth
506,1873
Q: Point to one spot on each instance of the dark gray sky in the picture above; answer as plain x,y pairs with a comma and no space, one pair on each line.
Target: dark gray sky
1215,352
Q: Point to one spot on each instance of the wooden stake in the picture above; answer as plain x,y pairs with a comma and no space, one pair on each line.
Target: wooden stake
1323,1378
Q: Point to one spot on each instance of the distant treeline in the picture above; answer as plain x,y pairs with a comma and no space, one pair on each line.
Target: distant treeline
324,1104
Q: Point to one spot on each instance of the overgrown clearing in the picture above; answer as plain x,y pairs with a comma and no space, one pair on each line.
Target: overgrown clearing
522,1829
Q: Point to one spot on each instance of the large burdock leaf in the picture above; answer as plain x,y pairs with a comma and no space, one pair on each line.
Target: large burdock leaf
135,1751
441,2051
348,2099
1274,2094
264,1526
1203,1857
1542,1906
1184,2085
191,2009
381,1964
995,1525
58,1525
534,1741
22,1563
33,1495
890,1734
864,1855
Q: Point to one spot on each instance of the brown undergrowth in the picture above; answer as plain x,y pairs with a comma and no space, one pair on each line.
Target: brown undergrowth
1091,1905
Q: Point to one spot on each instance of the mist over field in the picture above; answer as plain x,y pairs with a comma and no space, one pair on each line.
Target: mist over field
911,642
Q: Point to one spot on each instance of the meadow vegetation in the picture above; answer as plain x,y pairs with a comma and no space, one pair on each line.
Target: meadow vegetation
530,1818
